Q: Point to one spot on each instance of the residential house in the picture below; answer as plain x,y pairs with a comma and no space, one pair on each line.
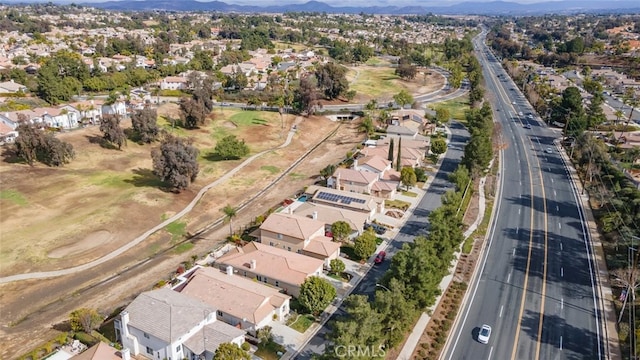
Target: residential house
101,351
90,110
283,269
117,108
341,199
239,301
174,83
11,87
352,180
299,234
413,151
165,324
329,215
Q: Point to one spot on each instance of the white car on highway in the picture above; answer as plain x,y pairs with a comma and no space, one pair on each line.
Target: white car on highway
484,334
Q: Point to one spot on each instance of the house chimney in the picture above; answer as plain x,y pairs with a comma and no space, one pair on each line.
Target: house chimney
125,318
252,265
314,216
229,270
126,354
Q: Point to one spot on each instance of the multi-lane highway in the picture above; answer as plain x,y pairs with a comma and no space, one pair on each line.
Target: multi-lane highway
535,285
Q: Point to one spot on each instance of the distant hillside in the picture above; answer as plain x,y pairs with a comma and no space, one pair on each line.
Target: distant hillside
465,8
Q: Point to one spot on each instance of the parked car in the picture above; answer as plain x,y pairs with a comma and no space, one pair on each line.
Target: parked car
548,150
527,126
378,229
380,257
484,334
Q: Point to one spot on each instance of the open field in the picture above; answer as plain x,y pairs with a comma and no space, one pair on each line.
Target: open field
457,107
382,83
53,217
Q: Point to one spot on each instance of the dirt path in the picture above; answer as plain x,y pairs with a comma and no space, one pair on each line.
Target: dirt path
25,324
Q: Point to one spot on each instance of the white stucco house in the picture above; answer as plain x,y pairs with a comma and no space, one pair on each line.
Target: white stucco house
165,324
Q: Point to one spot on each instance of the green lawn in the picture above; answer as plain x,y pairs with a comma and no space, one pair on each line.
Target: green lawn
269,351
376,61
409,194
376,82
349,253
457,107
13,196
248,118
177,229
184,247
302,323
270,168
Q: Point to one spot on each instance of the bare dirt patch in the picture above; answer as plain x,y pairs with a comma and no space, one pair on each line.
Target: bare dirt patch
95,239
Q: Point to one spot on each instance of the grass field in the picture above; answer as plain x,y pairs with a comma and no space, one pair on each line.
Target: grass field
375,81
70,209
457,107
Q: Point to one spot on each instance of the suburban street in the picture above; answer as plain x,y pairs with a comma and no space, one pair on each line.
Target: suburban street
535,283
414,226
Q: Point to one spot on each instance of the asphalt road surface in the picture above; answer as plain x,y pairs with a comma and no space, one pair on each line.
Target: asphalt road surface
414,226
536,285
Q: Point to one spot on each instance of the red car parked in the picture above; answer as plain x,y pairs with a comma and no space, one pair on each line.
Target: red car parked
380,257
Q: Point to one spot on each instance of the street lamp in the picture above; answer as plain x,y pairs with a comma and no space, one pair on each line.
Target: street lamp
384,287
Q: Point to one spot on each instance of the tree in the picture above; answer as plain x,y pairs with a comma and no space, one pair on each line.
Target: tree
570,111
403,98
305,97
230,351
390,155
85,319
399,157
594,114
408,177
229,213
176,162
332,80
111,130
365,244
337,266
34,144
230,148
366,126
145,124
361,328
398,312
438,146
460,177
327,171
316,294
192,112
442,115
406,70
341,230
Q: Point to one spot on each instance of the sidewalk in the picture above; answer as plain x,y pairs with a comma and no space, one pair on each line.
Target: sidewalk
605,295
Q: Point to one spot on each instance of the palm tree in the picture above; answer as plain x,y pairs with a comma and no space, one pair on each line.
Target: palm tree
230,213
630,100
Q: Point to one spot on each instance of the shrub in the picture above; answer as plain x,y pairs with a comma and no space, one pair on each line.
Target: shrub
245,346
86,339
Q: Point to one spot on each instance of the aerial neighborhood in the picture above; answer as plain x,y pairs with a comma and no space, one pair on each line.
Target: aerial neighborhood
287,182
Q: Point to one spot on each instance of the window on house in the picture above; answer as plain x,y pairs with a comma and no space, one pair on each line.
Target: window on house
270,243
178,348
279,236
278,283
265,280
289,248
245,274
149,350
219,313
259,278
146,336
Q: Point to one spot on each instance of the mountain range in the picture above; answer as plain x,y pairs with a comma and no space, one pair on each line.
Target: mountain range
464,8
